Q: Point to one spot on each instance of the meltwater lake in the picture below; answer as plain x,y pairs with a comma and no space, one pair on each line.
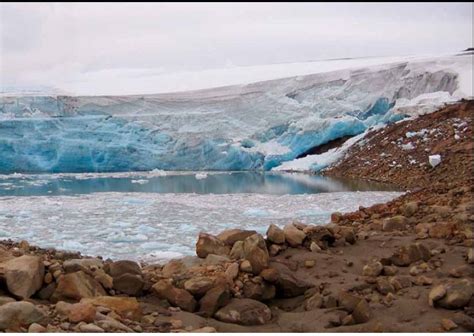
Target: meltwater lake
157,215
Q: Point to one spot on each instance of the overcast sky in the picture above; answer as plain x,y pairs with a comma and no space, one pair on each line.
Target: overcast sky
55,44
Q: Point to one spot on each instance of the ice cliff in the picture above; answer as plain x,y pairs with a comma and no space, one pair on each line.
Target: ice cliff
240,127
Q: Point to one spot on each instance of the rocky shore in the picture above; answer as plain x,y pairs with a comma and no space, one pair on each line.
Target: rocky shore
403,266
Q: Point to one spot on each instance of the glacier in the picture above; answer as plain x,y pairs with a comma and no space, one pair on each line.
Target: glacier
254,126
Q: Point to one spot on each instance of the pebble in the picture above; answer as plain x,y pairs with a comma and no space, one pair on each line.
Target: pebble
205,330
48,278
245,266
436,293
314,247
470,256
309,263
373,269
423,281
36,328
448,324
90,328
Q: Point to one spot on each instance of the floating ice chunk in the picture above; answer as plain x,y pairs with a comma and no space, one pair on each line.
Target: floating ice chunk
255,212
200,176
126,238
154,246
140,181
163,255
121,224
158,172
146,229
434,160
71,245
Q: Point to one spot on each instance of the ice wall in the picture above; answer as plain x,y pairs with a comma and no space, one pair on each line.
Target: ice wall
247,127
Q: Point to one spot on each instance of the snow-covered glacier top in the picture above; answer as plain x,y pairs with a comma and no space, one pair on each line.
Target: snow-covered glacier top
239,127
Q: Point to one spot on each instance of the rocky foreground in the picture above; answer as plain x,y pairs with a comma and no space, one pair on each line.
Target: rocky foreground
402,266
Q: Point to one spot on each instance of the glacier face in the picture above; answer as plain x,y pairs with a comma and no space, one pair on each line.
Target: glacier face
246,127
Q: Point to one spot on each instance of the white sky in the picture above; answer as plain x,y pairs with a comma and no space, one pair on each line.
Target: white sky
97,45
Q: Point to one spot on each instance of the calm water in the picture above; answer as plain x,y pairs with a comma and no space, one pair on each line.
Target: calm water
179,182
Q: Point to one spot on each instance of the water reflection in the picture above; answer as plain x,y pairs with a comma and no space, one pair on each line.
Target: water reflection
213,183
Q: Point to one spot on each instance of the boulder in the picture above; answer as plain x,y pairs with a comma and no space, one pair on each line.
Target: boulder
293,235
232,271
81,312
105,280
245,312
289,284
396,223
175,296
214,299
231,236
6,299
458,294
348,234
409,209
321,235
361,313
86,264
275,249
63,308
383,286
400,282
14,315
275,234
436,294
390,270
255,251
121,267
24,275
174,267
75,286
214,259
130,284
127,276
348,301
45,293
246,266
126,307
198,286
237,251
313,302
270,275
464,320
209,244
373,269
442,230
252,290
408,254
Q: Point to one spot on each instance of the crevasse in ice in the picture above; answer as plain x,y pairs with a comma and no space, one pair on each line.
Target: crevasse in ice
246,127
